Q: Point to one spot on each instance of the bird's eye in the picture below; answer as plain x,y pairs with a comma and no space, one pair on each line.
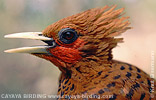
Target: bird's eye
67,35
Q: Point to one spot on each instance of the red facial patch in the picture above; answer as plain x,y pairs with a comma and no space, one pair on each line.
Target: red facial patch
69,55
65,53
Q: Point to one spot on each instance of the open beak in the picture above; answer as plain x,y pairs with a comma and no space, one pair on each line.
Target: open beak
34,49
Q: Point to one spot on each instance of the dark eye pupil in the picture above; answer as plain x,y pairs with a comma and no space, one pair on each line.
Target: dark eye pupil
68,35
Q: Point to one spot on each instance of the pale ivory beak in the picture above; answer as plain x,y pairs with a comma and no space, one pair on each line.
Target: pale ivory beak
33,49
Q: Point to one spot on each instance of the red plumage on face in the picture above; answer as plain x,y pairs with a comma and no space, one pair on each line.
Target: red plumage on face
68,55
65,53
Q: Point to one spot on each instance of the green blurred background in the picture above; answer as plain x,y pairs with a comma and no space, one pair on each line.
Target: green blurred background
24,73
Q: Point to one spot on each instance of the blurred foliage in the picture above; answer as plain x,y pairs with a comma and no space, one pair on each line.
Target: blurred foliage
23,73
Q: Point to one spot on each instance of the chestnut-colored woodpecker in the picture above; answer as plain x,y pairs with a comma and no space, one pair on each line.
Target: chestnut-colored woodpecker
81,47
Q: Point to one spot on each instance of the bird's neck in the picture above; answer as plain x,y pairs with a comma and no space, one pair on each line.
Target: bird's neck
88,69
82,75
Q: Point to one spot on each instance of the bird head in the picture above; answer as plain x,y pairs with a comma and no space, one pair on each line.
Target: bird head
89,35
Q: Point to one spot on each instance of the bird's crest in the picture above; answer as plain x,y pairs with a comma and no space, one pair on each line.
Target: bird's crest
97,27
100,22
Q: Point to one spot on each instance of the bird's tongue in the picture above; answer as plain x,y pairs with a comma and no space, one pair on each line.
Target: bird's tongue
33,49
